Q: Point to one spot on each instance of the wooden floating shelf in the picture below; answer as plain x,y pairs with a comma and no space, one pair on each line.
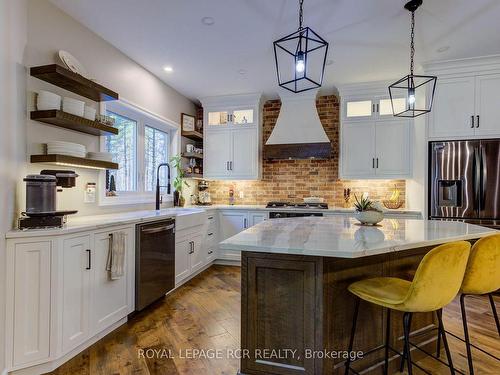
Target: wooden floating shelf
193,175
73,161
66,79
73,122
190,155
194,135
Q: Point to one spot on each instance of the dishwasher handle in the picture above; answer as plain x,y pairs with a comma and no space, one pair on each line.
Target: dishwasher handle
158,229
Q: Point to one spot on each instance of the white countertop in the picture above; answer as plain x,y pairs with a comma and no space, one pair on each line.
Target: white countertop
80,223
336,236
330,210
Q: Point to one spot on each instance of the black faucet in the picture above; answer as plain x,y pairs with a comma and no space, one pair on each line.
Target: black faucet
158,183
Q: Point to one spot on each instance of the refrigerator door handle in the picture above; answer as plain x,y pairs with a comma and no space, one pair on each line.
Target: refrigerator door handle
484,178
477,176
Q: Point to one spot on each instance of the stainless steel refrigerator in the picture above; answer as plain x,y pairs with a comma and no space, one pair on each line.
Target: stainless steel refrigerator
464,181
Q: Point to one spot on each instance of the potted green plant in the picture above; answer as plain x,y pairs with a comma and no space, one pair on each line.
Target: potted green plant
178,181
367,211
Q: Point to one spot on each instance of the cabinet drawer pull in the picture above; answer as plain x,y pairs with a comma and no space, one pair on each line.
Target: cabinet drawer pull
210,218
377,163
210,252
89,259
472,122
477,122
373,162
210,234
191,244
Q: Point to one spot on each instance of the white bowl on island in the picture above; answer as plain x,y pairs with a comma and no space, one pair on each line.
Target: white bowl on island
370,217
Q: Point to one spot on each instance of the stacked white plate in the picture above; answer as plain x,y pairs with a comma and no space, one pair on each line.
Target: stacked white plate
66,148
46,100
103,156
73,106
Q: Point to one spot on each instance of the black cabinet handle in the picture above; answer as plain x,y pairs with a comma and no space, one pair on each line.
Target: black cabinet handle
210,234
210,218
373,162
472,122
377,163
89,259
477,123
210,252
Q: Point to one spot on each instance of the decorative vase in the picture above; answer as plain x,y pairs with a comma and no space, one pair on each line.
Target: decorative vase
177,199
370,217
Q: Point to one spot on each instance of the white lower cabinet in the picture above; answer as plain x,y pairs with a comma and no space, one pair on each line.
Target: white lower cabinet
61,296
28,306
190,256
233,222
111,299
76,273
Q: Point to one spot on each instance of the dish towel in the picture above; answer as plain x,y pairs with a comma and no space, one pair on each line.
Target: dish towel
116,255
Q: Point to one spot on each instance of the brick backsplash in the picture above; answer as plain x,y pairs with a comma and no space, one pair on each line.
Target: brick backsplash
293,180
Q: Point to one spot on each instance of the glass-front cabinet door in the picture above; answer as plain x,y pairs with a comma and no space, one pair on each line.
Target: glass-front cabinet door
218,118
242,116
364,109
232,117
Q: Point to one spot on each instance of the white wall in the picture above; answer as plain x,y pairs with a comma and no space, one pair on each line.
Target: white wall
13,126
50,30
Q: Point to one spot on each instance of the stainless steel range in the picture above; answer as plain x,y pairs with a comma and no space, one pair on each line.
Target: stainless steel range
290,209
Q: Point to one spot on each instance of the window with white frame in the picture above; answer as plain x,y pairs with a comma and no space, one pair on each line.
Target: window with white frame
144,141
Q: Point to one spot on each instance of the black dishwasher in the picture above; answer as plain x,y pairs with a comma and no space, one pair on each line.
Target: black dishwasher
154,261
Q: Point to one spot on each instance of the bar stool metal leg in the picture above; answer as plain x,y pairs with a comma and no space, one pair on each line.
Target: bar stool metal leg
442,332
494,310
466,334
353,332
406,329
387,341
403,358
438,348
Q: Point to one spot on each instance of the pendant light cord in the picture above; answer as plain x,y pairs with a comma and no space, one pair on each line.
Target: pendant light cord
301,13
412,44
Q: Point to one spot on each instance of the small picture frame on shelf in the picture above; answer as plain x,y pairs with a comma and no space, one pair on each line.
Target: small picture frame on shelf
187,122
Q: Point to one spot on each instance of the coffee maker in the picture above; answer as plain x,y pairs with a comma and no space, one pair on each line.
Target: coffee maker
41,192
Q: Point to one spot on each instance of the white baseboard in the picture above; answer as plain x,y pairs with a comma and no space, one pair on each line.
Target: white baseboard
228,262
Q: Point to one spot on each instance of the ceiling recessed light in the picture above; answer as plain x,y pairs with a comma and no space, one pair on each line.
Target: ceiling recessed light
208,21
168,69
442,49
242,72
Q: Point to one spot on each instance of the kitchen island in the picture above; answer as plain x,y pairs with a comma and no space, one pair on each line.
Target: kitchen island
296,311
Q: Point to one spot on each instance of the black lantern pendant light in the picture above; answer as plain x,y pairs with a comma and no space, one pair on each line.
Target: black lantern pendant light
300,58
416,90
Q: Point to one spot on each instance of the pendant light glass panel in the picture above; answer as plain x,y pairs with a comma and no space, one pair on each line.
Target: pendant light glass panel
300,60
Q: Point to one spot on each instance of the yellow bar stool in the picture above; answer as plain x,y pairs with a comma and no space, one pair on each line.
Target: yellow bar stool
482,277
437,281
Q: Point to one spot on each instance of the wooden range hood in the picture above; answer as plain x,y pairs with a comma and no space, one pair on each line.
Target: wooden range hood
298,133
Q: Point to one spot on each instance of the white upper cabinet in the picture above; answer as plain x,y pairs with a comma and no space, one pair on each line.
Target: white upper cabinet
376,149
217,153
466,100
487,105
232,137
358,149
392,145
453,108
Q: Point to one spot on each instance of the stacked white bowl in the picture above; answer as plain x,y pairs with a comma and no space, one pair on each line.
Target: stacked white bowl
89,113
66,148
73,106
47,100
103,156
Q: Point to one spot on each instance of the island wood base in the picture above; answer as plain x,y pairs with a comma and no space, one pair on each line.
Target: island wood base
302,302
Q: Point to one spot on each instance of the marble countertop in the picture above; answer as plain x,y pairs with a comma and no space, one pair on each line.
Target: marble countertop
330,210
336,236
81,223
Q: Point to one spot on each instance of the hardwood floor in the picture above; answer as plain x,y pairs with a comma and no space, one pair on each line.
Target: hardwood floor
205,314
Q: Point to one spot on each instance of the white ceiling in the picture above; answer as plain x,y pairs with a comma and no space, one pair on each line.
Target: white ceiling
368,38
